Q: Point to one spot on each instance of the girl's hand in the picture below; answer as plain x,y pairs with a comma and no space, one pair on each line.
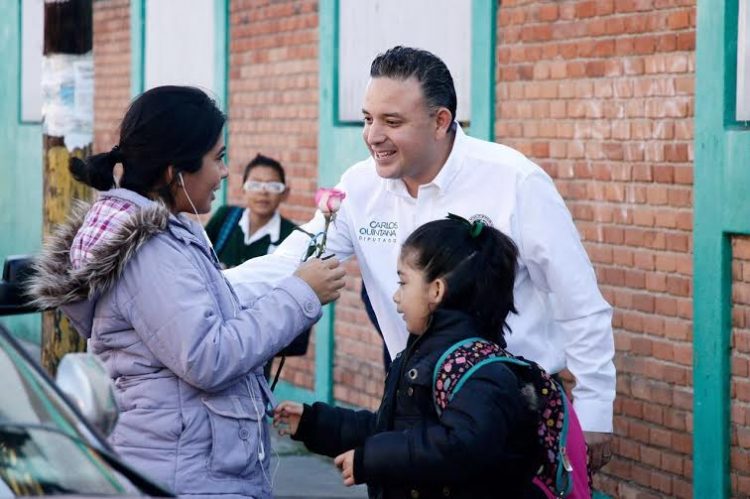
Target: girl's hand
286,417
345,462
325,277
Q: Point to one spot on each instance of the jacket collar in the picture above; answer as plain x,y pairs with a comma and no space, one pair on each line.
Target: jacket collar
55,282
180,226
450,326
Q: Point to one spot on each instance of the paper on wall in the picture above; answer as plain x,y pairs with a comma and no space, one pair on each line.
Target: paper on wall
68,98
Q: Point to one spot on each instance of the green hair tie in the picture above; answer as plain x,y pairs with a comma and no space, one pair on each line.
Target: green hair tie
475,227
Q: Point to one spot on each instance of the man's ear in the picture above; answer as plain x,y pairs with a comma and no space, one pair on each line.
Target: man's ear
285,194
443,122
436,293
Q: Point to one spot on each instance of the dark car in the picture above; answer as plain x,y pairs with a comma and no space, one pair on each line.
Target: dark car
47,445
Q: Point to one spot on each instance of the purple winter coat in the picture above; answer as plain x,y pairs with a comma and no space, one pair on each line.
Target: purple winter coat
186,357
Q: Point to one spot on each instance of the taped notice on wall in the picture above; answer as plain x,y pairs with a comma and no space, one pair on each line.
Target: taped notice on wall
68,98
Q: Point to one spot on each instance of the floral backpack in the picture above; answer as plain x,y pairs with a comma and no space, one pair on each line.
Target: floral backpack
564,472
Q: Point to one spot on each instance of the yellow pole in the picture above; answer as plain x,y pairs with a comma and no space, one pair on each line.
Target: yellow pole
67,117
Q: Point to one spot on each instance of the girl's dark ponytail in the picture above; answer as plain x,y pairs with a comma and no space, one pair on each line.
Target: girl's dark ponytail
97,170
495,269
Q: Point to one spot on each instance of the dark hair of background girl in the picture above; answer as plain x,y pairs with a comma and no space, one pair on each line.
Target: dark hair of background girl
479,271
260,160
169,125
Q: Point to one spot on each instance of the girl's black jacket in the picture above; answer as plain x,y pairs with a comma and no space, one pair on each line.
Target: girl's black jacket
484,444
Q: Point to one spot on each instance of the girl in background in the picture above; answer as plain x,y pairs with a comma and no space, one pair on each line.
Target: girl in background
240,233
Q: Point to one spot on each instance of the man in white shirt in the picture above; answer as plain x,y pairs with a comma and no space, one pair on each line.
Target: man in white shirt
422,167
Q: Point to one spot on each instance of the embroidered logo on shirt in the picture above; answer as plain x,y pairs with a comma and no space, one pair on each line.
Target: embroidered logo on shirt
378,231
479,217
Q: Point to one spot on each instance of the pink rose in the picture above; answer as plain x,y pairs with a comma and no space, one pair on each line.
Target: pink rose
329,200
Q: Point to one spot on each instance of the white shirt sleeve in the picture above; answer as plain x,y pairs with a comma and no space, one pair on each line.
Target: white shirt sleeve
258,276
550,247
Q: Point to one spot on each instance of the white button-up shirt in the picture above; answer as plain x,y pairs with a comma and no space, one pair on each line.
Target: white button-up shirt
272,228
562,321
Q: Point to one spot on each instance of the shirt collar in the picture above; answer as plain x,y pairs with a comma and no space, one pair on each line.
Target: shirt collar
447,172
272,228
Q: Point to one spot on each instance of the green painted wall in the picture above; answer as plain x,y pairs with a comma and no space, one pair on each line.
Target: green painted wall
20,165
722,209
221,63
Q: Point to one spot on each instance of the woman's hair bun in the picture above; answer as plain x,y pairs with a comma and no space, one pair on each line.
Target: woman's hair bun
96,170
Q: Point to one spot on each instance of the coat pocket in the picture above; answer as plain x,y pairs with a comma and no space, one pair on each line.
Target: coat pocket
235,432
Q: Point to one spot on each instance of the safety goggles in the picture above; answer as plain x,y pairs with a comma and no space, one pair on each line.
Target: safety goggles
272,187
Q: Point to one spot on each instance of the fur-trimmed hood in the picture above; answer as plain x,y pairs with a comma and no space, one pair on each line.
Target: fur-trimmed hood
56,283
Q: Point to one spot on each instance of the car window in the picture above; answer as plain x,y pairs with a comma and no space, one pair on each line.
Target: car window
44,449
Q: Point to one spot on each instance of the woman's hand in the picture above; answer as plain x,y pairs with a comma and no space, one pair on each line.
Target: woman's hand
345,462
286,417
325,277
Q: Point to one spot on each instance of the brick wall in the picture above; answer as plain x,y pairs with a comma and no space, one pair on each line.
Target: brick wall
273,109
740,388
112,70
358,366
600,94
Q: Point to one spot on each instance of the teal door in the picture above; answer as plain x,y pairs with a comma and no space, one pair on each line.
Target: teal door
20,165
722,210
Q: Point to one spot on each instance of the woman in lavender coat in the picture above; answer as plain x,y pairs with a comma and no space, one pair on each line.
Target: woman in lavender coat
139,279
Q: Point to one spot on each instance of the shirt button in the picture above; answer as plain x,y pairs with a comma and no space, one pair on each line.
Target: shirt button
309,307
244,433
414,494
410,391
446,491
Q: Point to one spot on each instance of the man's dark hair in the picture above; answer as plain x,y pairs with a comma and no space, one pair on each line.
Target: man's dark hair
260,160
404,62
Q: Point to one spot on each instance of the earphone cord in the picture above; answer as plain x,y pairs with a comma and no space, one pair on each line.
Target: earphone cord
205,235
261,446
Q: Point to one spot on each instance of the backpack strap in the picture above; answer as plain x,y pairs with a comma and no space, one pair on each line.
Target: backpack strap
459,362
230,221
465,357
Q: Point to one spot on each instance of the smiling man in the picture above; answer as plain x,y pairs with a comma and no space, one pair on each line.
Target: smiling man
421,167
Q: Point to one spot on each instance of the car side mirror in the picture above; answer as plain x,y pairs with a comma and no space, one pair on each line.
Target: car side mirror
84,380
16,269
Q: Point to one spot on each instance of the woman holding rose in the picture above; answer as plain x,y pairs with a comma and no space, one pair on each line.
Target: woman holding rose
141,281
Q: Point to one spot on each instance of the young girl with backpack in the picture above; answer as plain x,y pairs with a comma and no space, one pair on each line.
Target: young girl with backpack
460,417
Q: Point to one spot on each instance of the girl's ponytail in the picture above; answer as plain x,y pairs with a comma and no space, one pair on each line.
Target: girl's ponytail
97,170
495,269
